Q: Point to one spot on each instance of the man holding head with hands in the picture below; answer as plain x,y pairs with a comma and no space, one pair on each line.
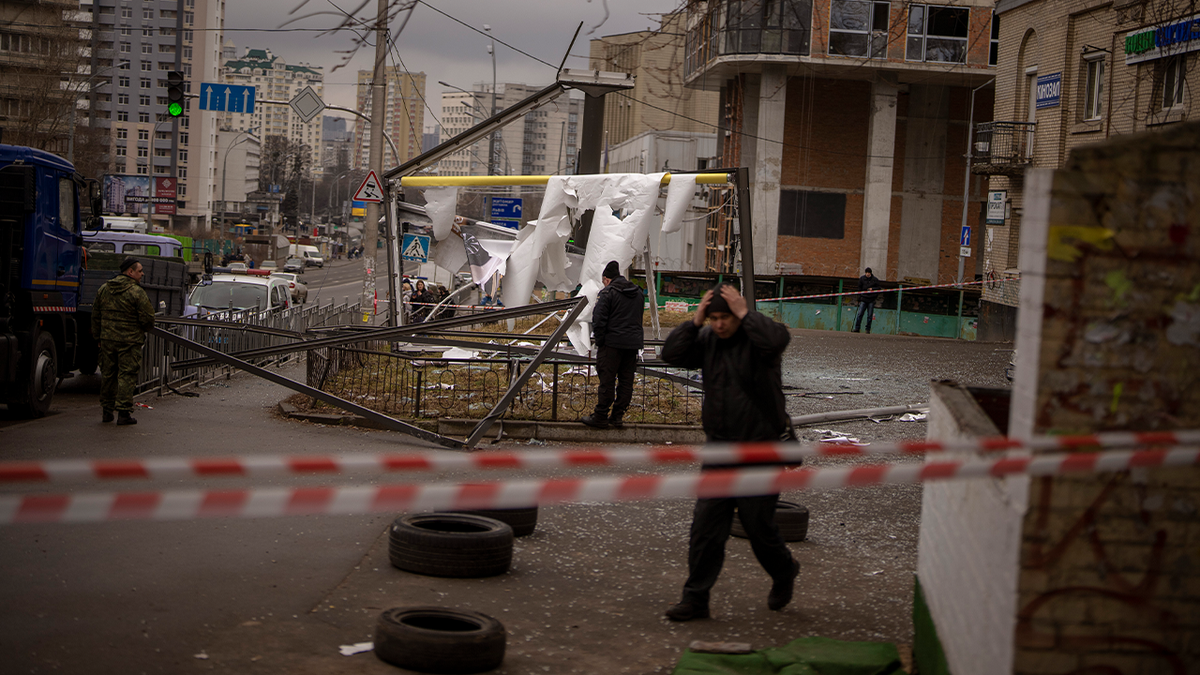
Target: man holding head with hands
740,353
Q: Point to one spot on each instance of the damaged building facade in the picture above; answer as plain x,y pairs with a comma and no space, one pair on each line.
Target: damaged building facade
853,118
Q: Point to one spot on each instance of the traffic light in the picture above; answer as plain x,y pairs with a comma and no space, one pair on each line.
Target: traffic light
175,93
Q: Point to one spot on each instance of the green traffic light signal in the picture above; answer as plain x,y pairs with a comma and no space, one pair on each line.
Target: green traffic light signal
175,93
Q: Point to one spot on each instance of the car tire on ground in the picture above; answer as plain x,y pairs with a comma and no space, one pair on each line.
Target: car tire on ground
450,545
791,518
438,640
522,521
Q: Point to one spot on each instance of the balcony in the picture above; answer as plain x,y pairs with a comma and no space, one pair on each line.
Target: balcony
721,27
1002,148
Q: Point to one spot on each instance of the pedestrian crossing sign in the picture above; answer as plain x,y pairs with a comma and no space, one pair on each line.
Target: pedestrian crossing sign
415,248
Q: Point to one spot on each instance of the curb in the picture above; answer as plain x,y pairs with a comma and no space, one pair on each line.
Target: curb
575,432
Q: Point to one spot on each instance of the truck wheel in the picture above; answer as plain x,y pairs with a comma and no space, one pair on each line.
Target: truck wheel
437,640
42,376
450,545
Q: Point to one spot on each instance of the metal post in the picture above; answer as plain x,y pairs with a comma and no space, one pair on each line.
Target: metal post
395,266
589,154
370,238
746,225
967,171
651,292
840,301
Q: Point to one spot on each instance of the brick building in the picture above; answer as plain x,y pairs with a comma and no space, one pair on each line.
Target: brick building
853,119
1070,74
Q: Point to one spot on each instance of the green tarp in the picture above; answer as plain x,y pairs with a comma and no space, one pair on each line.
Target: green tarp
805,656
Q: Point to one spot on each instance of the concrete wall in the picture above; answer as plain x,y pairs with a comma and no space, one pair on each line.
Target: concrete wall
967,551
924,178
1108,574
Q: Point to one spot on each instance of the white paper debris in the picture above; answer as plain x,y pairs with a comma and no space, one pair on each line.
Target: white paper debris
680,191
911,417
456,353
356,648
440,205
202,656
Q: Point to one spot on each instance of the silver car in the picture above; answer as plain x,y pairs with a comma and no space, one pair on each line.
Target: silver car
299,288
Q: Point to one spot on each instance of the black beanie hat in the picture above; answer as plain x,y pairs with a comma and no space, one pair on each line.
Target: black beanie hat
612,270
869,271
127,263
717,303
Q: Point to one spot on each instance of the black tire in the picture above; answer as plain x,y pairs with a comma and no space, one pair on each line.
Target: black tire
450,545
40,373
438,640
791,518
522,521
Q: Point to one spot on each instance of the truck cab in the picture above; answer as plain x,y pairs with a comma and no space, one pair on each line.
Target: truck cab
41,268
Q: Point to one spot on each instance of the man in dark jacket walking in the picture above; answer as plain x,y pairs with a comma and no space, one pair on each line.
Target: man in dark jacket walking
866,299
740,354
617,327
121,315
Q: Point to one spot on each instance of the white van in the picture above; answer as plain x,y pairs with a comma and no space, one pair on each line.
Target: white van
310,254
124,224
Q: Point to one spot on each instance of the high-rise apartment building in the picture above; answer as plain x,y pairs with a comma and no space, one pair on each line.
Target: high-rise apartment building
544,141
405,118
134,45
274,79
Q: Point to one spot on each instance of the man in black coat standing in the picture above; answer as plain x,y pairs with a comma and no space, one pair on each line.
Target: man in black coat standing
866,300
617,328
740,354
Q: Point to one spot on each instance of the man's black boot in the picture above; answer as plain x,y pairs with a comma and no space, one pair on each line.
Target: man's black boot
781,591
124,417
686,611
595,420
107,416
616,422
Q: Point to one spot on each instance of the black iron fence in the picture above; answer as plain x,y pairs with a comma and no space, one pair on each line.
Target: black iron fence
413,386
1002,147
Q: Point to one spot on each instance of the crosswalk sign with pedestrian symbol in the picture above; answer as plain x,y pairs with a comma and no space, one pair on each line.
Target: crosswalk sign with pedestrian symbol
415,248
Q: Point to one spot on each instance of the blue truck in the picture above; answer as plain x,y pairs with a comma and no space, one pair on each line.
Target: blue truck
48,279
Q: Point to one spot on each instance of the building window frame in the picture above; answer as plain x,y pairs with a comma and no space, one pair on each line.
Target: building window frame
946,21
1094,72
859,28
1173,82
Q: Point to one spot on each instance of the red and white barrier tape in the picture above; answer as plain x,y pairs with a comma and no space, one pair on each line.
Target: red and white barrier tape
175,468
269,502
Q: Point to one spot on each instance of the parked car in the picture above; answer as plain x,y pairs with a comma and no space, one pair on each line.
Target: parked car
269,265
238,268
294,264
299,288
240,292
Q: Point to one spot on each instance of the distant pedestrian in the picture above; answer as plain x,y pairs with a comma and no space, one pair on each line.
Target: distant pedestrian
866,299
121,315
422,301
740,354
617,327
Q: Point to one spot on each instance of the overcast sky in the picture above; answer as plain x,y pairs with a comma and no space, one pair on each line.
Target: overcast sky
439,46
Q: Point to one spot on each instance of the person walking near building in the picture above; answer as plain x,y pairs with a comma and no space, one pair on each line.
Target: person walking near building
121,315
740,354
617,328
866,300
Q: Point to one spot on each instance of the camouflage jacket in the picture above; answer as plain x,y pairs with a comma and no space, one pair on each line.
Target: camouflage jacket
122,312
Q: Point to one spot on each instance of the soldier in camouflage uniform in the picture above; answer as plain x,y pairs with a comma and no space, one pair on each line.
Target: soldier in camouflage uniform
121,315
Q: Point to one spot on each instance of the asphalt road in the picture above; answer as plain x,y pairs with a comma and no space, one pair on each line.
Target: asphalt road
586,591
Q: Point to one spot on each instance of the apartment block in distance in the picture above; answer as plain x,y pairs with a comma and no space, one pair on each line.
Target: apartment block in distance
135,44
274,79
404,120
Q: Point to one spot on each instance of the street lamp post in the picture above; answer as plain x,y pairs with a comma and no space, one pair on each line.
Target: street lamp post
225,175
492,141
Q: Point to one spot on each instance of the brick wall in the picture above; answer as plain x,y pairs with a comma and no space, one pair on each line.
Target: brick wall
1108,575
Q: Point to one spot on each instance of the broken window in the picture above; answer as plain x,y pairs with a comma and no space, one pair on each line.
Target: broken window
820,215
859,28
937,33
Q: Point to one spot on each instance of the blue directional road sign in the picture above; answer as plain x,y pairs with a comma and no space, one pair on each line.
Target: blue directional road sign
226,97
507,211
416,248
965,238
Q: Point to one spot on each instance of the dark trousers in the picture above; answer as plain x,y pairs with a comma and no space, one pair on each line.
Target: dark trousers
120,363
868,308
712,520
616,368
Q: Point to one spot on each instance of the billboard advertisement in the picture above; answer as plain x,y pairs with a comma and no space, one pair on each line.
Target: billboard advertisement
126,193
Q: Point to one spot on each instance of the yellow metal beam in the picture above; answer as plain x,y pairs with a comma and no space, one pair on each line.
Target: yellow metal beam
482,181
